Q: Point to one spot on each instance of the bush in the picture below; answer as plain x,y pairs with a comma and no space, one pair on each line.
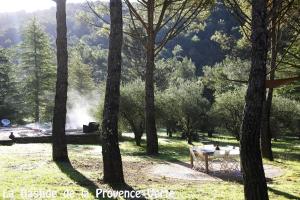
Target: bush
185,106
227,113
227,75
132,108
285,116
173,71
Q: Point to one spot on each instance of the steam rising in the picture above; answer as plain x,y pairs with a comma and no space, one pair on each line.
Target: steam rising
81,108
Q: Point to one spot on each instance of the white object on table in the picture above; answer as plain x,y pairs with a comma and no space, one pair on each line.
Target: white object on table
208,148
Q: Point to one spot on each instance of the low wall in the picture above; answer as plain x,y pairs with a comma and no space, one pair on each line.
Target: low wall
71,139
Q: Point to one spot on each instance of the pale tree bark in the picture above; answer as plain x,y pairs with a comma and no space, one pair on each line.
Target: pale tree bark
112,162
59,146
255,186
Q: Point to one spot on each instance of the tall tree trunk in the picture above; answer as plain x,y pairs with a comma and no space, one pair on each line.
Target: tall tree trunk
151,133
37,106
112,162
37,79
266,134
255,187
37,99
59,146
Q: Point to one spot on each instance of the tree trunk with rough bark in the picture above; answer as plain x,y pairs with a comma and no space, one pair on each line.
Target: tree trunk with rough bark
37,72
266,134
59,146
255,187
112,162
151,133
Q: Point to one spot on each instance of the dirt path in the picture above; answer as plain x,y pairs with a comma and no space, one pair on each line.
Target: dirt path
183,171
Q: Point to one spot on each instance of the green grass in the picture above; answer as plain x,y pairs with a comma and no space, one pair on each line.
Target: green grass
29,166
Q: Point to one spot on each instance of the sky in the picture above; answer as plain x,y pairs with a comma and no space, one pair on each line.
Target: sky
29,5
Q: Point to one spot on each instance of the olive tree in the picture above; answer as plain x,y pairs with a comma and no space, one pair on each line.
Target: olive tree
227,113
132,108
185,104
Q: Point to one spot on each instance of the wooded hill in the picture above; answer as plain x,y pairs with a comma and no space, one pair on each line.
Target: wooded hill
204,51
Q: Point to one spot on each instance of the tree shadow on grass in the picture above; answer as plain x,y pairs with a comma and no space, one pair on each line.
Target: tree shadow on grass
284,194
83,181
78,177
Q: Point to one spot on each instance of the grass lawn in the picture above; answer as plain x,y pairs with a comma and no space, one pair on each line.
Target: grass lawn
25,168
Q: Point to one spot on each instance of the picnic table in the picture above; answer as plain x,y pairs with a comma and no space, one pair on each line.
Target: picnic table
209,152
206,155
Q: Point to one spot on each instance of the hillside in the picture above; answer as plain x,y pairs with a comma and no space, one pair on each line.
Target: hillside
203,51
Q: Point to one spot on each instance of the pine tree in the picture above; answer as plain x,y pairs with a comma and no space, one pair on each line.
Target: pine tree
80,77
38,70
112,161
255,186
59,143
11,99
5,86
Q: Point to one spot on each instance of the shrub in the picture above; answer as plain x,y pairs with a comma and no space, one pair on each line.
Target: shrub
227,113
184,104
132,108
